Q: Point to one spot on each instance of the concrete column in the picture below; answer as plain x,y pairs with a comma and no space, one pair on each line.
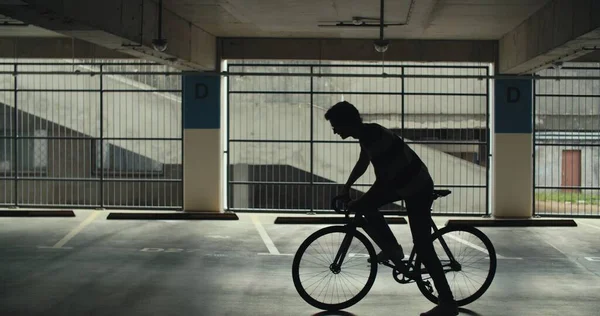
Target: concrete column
202,146
512,151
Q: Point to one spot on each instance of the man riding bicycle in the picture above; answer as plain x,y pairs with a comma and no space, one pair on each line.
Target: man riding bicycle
400,175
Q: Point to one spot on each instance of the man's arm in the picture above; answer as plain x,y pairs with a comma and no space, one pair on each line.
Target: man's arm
359,169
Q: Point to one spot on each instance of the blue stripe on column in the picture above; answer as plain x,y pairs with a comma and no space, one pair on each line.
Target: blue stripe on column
201,101
513,106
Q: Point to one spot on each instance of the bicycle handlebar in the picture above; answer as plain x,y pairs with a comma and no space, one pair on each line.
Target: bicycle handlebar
336,208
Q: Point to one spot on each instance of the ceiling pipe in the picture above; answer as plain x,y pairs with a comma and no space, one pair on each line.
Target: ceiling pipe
381,45
160,44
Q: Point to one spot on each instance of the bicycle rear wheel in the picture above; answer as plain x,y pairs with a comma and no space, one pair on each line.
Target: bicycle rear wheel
326,288
473,269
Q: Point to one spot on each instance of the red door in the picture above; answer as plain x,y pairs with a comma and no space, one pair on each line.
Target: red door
571,169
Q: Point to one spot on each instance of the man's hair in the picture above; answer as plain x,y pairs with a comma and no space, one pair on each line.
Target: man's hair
343,112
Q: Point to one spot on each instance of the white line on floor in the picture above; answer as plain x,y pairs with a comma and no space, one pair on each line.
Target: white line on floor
76,230
590,225
265,237
596,259
553,246
498,256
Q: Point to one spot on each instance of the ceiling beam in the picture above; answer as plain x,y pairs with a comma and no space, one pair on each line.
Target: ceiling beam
562,30
54,47
124,26
358,49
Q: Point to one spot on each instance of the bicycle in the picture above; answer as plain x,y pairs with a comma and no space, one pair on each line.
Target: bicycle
347,259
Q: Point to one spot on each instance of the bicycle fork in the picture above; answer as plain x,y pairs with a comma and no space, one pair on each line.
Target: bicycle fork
336,266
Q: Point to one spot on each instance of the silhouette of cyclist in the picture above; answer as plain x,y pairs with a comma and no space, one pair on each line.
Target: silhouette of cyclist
400,175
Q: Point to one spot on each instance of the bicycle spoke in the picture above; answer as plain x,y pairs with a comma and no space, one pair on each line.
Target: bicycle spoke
472,254
326,287
319,281
357,288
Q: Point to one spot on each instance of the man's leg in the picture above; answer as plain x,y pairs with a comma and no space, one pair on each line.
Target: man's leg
419,215
376,226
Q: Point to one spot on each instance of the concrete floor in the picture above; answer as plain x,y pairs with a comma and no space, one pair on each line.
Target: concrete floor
88,265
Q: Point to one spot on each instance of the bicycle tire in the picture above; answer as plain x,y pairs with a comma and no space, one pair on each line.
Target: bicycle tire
425,287
298,284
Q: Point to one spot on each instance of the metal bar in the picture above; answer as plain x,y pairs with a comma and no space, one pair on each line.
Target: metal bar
478,77
89,138
181,141
332,183
89,73
403,101
312,144
101,138
308,141
569,95
15,134
534,156
488,152
381,18
247,74
81,64
391,65
358,93
569,144
568,188
90,179
141,90
228,148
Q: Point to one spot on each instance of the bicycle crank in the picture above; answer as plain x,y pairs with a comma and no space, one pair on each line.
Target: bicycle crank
396,273
428,286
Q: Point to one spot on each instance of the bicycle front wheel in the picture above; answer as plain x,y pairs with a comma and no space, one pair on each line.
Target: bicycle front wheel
469,266
329,288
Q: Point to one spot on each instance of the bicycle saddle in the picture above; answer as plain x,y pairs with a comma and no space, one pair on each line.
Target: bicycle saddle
441,193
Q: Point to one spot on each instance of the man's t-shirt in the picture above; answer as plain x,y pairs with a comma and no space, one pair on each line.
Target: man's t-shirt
393,161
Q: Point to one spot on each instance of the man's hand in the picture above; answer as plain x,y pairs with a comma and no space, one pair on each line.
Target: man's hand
352,206
343,196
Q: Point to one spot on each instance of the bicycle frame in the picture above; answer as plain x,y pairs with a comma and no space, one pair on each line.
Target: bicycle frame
351,227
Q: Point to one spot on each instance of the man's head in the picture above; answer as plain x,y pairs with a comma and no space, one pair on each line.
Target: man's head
345,119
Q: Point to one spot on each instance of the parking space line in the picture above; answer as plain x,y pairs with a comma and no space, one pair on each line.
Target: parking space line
498,256
76,230
265,237
553,246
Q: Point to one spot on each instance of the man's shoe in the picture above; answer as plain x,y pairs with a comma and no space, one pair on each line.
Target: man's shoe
442,310
383,257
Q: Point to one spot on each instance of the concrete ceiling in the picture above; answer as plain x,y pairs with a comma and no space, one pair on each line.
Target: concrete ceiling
427,19
10,27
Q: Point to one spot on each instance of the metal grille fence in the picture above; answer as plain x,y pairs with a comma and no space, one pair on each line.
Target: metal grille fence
283,156
567,142
102,133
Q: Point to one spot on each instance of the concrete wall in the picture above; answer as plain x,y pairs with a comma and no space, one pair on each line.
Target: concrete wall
467,111
126,114
75,159
548,171
573,104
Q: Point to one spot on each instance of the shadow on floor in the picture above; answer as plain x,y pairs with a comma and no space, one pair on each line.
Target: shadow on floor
462,311
334,313
466,311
